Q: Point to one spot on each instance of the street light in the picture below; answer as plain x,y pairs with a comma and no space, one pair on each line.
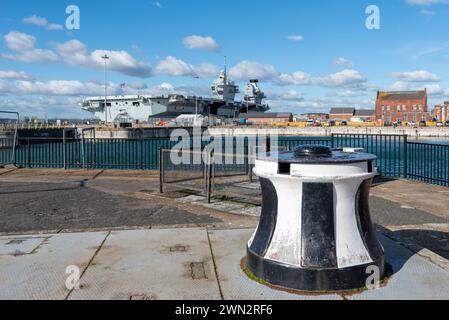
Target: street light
105,58
196,97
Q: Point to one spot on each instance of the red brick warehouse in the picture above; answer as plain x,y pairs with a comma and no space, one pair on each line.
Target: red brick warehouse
404,106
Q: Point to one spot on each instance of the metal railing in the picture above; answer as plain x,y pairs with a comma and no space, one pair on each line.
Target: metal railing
428,163
391,150
397,156
73,153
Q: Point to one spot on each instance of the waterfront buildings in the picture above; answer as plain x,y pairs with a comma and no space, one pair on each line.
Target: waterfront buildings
342,114
402,106
264,118
367,115
441,112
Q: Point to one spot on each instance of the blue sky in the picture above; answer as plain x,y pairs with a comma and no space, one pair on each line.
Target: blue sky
309,55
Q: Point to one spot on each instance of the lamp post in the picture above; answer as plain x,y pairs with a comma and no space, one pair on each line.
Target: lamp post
105,58
197,77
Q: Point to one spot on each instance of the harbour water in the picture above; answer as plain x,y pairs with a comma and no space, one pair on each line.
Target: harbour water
424,159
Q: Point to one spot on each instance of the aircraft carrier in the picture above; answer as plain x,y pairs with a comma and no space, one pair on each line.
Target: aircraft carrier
145,108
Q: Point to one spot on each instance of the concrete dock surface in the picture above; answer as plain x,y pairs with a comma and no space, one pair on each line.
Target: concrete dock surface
129,242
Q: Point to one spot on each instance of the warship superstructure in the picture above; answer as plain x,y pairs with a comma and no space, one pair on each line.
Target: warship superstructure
144,108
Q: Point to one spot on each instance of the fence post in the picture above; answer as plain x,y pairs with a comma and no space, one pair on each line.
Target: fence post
83,151
64,149
141,154
29,153
268,145
209,176
250,159
161,170
405,157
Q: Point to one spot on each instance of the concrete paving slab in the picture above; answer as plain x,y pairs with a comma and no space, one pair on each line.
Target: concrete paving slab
39,273
20,245
249,211
229,247
414,277
249,185
154,264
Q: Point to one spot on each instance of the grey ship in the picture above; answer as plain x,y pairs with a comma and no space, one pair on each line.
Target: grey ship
144,108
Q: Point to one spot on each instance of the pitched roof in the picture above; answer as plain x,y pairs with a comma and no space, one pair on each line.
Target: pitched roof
402,95
342,111
365,113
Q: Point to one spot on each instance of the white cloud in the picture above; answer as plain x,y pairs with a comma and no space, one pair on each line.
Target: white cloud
11,74
42,22
343,62
157,4
400,86
75,53
345,78
57,87
426,2
200,42
246,70
32,56
18,41
175,67
433,89
290,95
296,78
350,93
295,38
23,46
416,76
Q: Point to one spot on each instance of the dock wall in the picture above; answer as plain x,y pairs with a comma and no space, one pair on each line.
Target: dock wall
323,132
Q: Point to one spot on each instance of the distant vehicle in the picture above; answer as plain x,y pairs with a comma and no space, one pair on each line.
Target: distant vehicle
344,123
310,123
388,124
357,120
412,123
446,123
440,124
330,123
399,123
423,124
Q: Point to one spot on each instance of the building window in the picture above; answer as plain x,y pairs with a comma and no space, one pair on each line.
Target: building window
388,108
383,108
398,108
404,108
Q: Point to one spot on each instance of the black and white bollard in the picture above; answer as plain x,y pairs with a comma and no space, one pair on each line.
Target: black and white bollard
315,231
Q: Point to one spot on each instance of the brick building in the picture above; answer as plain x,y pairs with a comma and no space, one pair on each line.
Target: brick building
342,114
441,112
392,106
317,116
